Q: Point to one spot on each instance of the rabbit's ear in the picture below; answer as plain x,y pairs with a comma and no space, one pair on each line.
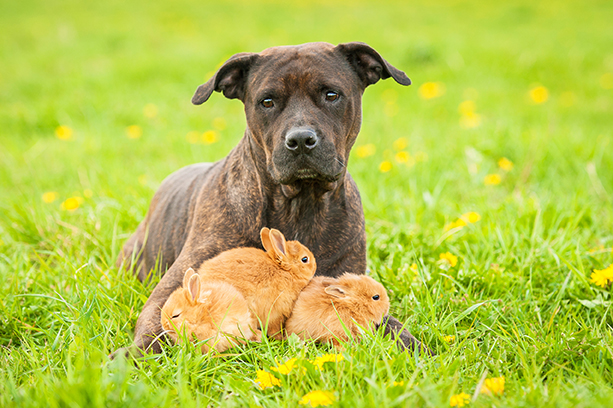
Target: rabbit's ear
194,286
278,243
336,291
328,281
188,274
204,296
265,236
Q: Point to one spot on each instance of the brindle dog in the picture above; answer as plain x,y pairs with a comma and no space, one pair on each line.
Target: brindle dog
289,172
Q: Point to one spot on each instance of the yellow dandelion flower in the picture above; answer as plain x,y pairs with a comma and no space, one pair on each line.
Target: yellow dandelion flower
606,80
459,400
505,164
71,204
449,226
365,150
134,131
449,339
398,384
400,144
192,137
470,120
63,132
209,137
413,267
602,277
266,380
492,179
219,123
467,107
150,111
539,94
326,358
404,157
470,217
286,367
455,224
450,258
493,386
460,223
598,278
385,166
317,398
567,99
50,196
87,193
596,249
429,90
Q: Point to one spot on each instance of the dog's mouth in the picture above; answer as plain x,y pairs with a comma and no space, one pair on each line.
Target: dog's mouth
307,174
310,176
304,170
293,184
321,166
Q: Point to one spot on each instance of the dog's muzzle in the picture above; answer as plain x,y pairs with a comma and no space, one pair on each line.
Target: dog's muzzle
303,155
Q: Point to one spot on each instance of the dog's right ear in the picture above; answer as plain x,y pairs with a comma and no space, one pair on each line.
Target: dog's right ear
229,79
369,65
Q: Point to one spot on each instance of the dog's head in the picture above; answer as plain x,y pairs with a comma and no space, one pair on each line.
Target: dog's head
303,104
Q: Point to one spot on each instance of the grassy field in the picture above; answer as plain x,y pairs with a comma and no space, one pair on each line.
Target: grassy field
95,111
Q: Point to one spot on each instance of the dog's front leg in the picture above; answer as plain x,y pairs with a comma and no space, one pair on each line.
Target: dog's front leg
148,332
404,339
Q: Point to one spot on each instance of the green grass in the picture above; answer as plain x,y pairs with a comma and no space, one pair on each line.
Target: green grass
519,301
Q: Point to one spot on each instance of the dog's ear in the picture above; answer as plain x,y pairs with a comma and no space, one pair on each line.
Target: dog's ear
369,65
229,79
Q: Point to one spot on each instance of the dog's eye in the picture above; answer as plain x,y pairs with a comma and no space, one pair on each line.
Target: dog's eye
268,103
376,297
305,259
331,96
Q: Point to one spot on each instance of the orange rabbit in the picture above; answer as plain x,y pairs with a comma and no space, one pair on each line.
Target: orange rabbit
214,312
327,303
269,280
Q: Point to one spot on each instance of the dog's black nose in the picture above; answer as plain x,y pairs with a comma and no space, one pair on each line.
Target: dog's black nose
301,140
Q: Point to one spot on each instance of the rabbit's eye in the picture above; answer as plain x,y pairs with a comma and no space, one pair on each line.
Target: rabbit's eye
305,259
177,315
376,297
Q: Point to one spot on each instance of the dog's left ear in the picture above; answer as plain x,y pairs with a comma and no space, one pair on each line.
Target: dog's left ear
369,65
229,79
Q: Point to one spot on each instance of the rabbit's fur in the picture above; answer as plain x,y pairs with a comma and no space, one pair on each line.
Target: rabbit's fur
269,280
326,304
215,313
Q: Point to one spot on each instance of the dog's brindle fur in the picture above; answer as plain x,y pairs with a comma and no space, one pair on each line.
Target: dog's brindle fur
303,108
